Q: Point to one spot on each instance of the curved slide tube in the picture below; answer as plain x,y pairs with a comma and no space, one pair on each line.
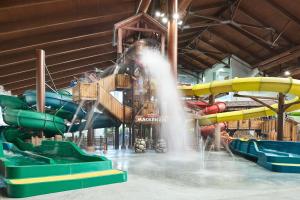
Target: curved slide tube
55,101
12,102
34,120
60,165
196,104
66,108
215,108
99,120
271,84
207,109
210,129
17,115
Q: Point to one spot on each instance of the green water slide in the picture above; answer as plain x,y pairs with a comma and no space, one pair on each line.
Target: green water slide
34,120
53,166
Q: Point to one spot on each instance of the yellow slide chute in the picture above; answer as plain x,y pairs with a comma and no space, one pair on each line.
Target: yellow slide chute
264,84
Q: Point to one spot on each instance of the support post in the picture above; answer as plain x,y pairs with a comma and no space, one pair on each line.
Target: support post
123,124
117,137
197,134
91,132
280,116
40,82
211,99
90,139
163,41
217,137
133,136
130,138
172,35
120,42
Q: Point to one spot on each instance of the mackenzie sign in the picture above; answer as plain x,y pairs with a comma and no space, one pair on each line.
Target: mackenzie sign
150,119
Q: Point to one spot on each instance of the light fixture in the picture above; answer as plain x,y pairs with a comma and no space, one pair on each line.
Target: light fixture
164,20
175,16
287,73
180,22
162,14
157,14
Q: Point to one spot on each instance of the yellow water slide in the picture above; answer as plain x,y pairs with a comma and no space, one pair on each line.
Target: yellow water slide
264,84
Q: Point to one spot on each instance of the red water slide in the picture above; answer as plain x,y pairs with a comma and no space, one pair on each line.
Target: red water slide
217,107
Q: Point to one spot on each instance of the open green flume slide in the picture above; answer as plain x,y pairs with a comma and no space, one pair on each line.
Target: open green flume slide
53,166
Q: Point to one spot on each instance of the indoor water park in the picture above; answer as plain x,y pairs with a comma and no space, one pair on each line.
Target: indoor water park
149,99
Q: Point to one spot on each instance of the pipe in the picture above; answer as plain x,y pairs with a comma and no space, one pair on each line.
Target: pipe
280,116
172,35
40,81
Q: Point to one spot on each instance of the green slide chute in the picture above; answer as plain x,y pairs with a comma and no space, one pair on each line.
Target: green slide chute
52,166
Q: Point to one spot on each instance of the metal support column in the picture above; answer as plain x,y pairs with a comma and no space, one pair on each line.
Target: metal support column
117,137
91,131
130,138
123,124
40,82
172,35
280,116
211,99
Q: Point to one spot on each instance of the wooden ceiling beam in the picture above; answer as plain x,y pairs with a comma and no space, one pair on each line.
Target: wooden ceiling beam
217,49
196,54
188,65
253,37
59,69
55,50
194,62
98,51
61,26
284,11
58,75
188,34
211,55
209,6
57,79
144,6
56,42
32,82
10,4
66,65
262,23
224,21
279,59
21,90
236,45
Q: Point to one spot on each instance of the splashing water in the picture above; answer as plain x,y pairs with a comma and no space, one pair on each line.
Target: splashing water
174,127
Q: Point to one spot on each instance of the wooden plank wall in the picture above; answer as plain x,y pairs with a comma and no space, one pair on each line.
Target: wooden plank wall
269,127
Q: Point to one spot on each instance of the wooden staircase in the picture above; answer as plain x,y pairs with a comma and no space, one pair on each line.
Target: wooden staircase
113,106
100,92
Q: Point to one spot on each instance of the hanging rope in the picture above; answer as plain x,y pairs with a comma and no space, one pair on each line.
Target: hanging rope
51,78
51,88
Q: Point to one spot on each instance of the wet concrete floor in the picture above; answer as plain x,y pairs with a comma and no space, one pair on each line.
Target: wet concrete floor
153,176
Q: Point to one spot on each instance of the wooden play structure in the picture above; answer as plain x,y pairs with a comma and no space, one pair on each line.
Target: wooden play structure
138,111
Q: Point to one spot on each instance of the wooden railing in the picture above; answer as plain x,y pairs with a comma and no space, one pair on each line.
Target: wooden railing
100,91
115,82
112,105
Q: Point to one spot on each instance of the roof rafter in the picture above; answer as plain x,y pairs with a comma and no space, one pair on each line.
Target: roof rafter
284,11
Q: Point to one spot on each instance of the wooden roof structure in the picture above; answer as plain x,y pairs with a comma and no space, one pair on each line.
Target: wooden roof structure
77,36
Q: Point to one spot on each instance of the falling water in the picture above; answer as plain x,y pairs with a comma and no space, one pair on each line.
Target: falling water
171,108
